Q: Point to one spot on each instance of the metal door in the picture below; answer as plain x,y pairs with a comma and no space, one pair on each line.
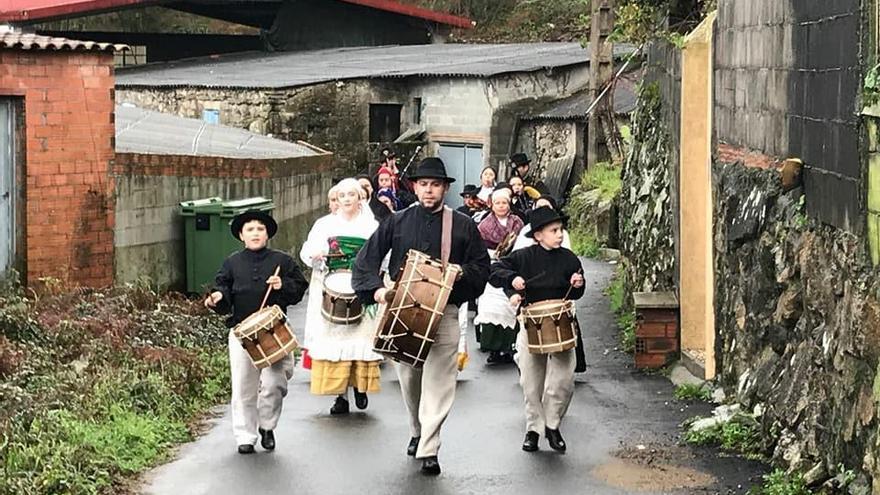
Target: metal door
7,185
464,162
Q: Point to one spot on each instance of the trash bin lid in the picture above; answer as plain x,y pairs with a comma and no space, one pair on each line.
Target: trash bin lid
234,207
207,205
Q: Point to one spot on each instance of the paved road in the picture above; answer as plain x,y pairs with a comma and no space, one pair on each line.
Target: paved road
614,407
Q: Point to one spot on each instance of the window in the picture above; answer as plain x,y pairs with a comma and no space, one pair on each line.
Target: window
384,122
211,116
417,111
137,55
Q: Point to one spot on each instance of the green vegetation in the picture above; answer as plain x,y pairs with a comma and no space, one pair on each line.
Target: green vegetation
96,386
626,317
741,435
518,20
599,185
688,391
780,483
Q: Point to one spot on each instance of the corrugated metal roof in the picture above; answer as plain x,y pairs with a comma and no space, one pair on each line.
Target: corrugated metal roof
148,132
576,106
29,41
291,69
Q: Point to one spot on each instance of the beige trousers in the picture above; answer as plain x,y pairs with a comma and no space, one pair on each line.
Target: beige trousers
548,384
257,395
429,392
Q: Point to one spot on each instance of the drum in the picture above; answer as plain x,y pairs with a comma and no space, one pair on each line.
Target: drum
266,336
550,326
410,320
340,305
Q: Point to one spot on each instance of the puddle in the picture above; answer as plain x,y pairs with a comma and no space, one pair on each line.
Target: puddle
651,470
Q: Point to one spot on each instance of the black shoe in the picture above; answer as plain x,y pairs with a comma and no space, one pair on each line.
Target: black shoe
431,466
267,439
340,406
360,399
530,444
555,439
413,446
493,357
506,358
246,449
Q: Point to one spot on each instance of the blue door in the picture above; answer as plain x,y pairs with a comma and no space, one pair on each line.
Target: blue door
464,162
7,186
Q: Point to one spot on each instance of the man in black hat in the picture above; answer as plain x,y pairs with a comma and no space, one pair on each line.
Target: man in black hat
428,392
521,165
241,284
471,202
554,273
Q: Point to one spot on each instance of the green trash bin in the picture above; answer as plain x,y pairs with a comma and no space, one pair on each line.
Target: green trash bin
207,237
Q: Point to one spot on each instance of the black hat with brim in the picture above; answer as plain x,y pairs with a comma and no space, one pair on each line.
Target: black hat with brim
469,190
542,217
431,168
260,216
520,159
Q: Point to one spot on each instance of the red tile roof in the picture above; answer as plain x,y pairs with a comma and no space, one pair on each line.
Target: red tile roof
27,41
42,10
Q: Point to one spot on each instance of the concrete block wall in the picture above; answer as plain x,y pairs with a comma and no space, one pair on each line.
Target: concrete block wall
149,229
67,98
787,76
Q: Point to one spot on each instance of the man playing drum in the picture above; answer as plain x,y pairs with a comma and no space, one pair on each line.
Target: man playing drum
241,285
544,271
430,391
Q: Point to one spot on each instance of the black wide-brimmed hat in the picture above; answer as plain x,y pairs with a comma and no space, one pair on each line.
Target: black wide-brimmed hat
520,159
387,153
540,218
260,216
431,168
469,190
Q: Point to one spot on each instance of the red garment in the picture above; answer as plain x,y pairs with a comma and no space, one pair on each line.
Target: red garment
493,232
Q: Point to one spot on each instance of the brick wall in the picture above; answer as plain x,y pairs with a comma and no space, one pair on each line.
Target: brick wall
68,107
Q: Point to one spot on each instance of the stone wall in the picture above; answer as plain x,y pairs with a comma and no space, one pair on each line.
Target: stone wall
649,230
149,228
796,303
798,321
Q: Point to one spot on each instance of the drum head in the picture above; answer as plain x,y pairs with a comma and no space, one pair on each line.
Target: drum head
339,282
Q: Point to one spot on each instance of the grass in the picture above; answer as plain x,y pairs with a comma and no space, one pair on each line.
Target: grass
740,435
626,318
605,177
687,391
781,483
584,243
97,386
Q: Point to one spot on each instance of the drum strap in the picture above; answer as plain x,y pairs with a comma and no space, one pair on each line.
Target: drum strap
446,236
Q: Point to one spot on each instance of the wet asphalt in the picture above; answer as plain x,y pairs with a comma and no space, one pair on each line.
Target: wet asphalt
614,407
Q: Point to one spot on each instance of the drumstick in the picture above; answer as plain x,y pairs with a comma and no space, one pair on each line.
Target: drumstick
571,286
266,297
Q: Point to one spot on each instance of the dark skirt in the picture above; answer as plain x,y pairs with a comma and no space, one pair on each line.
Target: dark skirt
496,337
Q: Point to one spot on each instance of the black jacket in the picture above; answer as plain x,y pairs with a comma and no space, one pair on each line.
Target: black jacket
242,281
417,228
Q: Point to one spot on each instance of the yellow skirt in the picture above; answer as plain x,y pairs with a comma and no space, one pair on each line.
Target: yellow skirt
334,377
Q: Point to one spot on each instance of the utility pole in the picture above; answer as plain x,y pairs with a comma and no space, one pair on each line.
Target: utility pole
601,69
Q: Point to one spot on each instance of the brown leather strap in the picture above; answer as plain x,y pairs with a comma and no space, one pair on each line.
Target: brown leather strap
446,236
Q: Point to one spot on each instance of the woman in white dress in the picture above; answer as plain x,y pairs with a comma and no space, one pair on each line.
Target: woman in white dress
342,355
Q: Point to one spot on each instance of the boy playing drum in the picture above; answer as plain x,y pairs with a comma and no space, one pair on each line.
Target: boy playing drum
544,271
241,284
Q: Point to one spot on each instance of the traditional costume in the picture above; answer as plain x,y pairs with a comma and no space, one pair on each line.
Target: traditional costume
257,394
547,380
495,323
430,391
341,354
